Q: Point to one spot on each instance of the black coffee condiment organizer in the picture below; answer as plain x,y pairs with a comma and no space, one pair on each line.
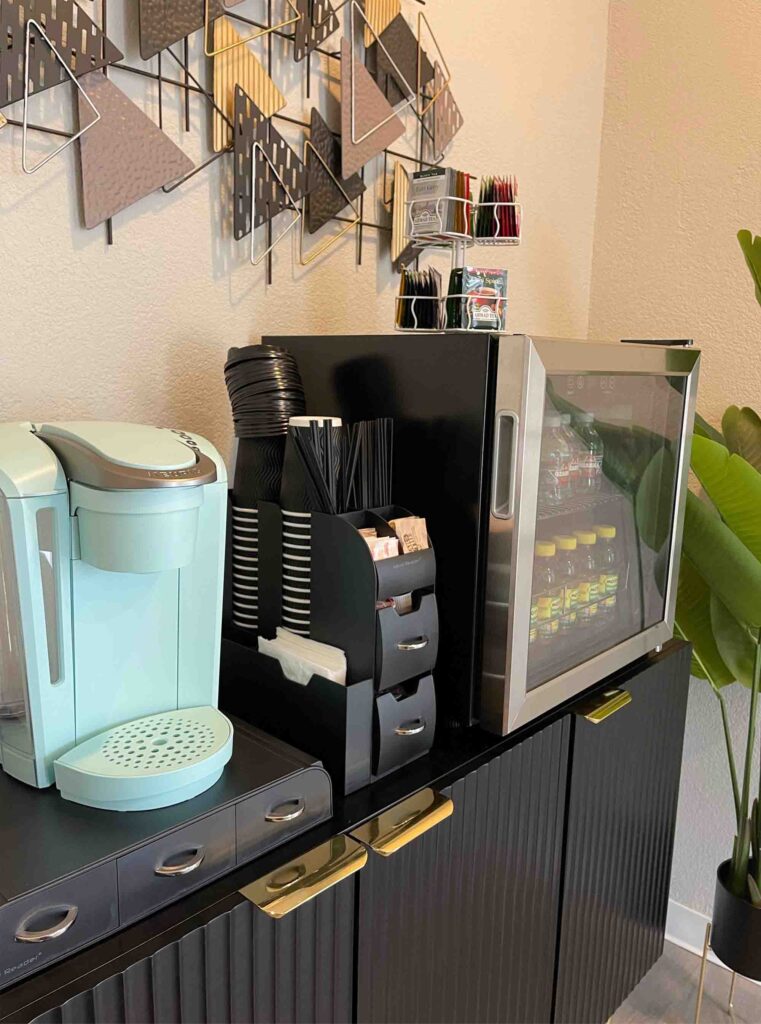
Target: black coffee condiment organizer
385,716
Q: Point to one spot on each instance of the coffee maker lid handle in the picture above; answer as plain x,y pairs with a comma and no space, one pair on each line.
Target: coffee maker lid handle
125,456
28,468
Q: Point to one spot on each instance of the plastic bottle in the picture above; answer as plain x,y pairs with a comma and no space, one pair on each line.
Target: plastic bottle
567,573
609,565
575,448
590,477
589,578
555,464
548,593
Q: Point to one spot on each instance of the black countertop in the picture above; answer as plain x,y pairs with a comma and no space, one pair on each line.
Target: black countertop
454,754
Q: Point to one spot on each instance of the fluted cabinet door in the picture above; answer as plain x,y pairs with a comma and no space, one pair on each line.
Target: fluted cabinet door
461,924
623,792
241,967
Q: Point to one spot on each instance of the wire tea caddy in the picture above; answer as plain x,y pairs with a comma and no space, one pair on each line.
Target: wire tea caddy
456,243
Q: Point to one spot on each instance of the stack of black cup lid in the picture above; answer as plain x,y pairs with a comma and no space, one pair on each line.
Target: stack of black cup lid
265,391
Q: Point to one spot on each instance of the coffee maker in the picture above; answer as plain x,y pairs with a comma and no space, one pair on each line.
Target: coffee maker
111,568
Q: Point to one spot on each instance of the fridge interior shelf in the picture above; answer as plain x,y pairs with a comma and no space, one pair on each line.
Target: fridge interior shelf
578,504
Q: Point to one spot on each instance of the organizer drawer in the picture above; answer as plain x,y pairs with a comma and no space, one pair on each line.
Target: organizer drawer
280,812
404,728
38,929
406,645
171,866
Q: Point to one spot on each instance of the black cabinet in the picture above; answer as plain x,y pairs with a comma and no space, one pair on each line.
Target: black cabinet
240,966
521,881
461,923
624,785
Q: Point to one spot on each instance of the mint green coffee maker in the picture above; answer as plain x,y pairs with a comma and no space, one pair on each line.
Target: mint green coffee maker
112,540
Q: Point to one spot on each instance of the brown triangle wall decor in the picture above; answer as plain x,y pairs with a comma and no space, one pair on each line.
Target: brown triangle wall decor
325,199
237,65
125,156
402,249
398,42
164,22
76,39
379,13
318,21
250,126
371,108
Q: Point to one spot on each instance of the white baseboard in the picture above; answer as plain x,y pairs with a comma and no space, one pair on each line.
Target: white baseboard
686,927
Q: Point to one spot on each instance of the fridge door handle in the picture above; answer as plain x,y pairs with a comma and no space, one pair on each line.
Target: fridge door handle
505,459
394,829
602,705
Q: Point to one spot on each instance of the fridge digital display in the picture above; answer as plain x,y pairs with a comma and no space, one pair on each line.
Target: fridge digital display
605,511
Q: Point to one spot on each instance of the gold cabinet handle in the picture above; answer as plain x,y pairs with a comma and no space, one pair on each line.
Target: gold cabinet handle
392,830
603,705
299,881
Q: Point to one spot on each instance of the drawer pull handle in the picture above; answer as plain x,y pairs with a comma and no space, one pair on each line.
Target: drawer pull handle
413,728
288,811
417,644
303,879
186,868
394,829
603,705
55,931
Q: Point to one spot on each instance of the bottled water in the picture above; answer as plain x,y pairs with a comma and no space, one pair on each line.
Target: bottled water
555,463
576,450
590,478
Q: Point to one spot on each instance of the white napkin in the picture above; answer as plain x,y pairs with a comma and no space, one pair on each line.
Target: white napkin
302,658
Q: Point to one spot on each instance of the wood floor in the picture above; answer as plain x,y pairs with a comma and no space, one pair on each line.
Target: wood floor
667,994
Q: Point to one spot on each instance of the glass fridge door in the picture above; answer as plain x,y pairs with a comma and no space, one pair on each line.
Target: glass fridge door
605,513
590,467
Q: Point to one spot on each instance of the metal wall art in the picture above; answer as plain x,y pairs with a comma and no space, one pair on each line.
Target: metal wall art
327,196
318,160
258,152
318,21
124,156
36,34
250,126
211,50
366,115
75,45
237,65
379,13
410,64
402,249
443,120
164,22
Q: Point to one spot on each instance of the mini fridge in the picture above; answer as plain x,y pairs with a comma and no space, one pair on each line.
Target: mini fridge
552,475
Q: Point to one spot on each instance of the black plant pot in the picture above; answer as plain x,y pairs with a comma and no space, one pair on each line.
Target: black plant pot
736,930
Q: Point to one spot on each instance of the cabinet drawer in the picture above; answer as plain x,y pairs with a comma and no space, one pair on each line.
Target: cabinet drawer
173,865
403,729
43,927
280,812
407,645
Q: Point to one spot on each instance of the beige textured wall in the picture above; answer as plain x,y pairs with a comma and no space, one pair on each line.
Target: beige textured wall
680,174
139,331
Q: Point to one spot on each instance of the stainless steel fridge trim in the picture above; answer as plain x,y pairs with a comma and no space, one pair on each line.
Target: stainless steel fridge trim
542,357
496,510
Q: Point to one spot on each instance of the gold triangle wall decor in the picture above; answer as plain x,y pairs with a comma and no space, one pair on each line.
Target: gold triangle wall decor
444,77
380,14
3,121
237,65
215,50
402,249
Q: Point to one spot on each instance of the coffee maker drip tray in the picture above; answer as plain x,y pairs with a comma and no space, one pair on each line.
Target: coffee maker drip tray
150,762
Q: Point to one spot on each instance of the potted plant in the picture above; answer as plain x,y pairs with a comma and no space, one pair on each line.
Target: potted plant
719,611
